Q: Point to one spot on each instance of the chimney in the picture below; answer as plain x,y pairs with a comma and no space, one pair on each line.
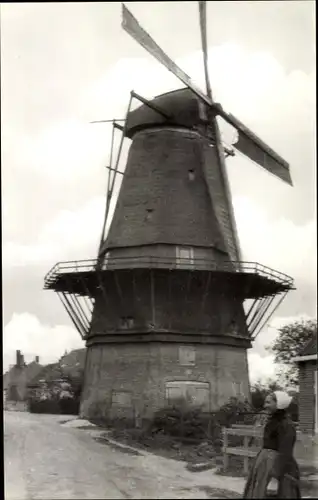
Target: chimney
18,358
37,359
22,361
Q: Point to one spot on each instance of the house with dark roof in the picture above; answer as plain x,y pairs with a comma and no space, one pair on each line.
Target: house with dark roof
70,366
307,362
18,377
23,380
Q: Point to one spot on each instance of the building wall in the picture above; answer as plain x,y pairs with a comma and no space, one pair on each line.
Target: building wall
129,380
17,379
17,384
307,398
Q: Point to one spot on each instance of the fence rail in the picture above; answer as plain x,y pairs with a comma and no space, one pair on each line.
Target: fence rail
252,434
150,261
249,434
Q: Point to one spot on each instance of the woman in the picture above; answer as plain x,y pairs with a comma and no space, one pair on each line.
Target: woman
275,471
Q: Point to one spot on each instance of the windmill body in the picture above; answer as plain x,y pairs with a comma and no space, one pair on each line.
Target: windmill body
161,308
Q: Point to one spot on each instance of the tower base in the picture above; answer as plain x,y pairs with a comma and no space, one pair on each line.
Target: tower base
133,381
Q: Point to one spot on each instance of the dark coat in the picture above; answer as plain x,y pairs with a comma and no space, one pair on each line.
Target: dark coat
275,460
280,435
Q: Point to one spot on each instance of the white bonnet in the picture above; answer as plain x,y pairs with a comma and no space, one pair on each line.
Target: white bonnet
283,399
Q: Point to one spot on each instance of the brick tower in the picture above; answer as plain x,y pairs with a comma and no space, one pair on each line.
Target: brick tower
161,308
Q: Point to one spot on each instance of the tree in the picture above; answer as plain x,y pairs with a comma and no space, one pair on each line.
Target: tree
290,341
260,390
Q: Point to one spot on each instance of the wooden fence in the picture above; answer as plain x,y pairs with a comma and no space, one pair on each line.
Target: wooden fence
251,435
252,441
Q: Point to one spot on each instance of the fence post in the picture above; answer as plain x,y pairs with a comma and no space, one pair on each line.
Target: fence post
209,426
246,440
225,445
182,426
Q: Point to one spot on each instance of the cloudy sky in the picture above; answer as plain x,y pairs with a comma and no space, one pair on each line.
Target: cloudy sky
65,64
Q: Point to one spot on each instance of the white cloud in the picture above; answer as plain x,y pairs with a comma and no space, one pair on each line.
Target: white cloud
273,103
276,242
260,368
252,84
72,149
25,332
69,236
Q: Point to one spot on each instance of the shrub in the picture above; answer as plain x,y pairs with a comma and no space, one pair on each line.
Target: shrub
236,412
183,422
43,406
54,406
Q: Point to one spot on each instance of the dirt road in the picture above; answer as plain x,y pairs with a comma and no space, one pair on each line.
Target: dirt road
46,460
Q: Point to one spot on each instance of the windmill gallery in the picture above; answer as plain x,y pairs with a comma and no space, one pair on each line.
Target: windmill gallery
168,309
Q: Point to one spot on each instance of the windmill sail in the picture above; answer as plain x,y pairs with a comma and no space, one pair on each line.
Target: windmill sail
214,164
248,144
133,28
202,11
258,151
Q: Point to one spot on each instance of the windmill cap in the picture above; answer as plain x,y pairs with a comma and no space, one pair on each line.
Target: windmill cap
181,105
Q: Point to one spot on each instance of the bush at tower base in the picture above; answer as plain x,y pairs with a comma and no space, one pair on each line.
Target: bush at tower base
57,397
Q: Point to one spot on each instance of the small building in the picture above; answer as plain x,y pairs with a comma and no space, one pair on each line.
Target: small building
17,378
52,376
308,387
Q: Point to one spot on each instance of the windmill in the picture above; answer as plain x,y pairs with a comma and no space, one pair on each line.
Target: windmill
161,308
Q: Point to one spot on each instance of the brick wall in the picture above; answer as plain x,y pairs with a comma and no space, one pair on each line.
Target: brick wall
122,380
157,178
307,396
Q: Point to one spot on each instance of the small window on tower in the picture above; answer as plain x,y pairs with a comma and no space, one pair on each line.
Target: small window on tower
127,322
106,260
149,212
187,355
191,175
185,257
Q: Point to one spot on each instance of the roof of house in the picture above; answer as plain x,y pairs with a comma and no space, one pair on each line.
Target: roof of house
74,358
71,364
26,373
310,347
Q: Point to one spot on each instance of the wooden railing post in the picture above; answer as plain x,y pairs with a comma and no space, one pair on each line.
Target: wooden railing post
249,433
246,442
225,445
